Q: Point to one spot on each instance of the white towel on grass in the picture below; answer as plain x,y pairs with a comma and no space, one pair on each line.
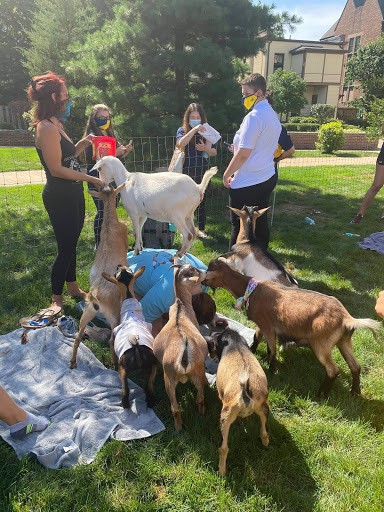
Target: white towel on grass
374,242
83,404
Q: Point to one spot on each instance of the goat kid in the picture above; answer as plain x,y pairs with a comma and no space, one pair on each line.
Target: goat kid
133,337
111,252
293,314
179,346
164,196
241,384
249,258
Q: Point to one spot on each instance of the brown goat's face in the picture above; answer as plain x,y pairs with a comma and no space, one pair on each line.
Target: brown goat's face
189,275
214,272
124,279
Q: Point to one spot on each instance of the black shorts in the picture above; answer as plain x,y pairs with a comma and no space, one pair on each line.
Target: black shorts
380,158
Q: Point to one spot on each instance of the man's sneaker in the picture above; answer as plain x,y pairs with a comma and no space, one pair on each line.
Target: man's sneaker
67,326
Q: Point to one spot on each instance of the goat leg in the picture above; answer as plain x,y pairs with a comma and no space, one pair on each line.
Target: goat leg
346,349
200,381
325,358
149,389
170,387
263,414
257,337
227,417
124,386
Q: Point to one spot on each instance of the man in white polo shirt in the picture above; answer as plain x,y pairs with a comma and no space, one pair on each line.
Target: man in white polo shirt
250,174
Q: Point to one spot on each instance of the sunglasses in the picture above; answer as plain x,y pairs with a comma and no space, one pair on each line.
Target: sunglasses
103,118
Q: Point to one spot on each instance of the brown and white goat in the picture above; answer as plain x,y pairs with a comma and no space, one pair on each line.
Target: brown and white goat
293,314
249,258
241,384
133,337
111,252
179,347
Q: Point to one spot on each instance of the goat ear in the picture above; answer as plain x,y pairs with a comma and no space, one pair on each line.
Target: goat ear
139,272
194,279
260,212
110,278
236,211
120,187
221,258
94,193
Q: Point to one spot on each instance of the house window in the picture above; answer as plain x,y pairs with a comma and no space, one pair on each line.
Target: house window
350,47
314,99
278,61
357,43
350,95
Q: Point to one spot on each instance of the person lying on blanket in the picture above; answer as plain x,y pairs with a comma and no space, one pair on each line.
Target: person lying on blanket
19,421
155,287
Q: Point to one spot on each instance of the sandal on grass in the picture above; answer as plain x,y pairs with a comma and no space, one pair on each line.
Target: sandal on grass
42,318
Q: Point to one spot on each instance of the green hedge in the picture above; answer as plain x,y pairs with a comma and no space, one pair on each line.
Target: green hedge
6,126
302,127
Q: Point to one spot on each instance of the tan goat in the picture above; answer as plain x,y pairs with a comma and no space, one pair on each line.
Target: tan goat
111,252
303,316
179,346
241,384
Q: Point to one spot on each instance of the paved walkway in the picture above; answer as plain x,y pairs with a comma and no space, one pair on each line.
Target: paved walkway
11,179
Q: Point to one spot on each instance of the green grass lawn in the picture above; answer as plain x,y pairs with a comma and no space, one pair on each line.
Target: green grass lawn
324,455
299,153
19,159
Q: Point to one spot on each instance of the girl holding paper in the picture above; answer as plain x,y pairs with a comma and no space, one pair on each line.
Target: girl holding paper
197,151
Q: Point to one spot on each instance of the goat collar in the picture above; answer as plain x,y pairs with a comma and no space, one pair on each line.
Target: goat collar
252,283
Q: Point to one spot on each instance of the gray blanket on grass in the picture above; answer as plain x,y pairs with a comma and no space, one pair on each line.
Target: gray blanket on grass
83,404
374,242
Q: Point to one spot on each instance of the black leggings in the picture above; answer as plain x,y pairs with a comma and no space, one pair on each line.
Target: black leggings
66,213
256,195
197,173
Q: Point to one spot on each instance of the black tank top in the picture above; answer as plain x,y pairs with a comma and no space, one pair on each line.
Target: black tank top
68,159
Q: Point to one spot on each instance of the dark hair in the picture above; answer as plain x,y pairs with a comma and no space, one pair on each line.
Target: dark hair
40,91
193,107
204,307
269,97
255,82
91,126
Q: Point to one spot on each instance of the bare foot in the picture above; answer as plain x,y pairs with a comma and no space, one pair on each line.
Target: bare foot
202,234
57,300
73,290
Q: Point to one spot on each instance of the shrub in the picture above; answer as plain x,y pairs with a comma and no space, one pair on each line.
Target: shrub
295,119
7,126
322,112
331,137
362,123
301,127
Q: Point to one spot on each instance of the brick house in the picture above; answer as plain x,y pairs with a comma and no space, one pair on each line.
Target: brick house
361,21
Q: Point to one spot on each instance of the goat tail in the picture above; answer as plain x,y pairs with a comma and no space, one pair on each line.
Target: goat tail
204,183
133,341
246,393
361,323
184,359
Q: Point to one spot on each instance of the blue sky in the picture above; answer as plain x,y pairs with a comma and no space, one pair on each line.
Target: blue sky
317,16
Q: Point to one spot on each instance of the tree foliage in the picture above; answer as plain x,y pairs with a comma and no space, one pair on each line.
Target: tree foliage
375,118
157,56
322,112
288,91
15,16
367,67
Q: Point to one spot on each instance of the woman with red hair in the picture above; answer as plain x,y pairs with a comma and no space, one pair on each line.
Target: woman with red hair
63,195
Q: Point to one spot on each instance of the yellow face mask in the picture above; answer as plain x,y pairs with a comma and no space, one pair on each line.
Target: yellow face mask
106,125
249,101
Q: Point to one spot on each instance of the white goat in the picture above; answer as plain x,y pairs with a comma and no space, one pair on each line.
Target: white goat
164,196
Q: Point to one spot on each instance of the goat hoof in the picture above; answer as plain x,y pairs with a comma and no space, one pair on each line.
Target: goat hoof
356,392
272,368
72,365
124,404
201,408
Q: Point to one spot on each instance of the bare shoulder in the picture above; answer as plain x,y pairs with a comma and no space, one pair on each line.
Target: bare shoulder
46,131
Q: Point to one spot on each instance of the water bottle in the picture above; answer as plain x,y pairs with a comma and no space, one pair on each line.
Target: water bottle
172,228
352,234
310,221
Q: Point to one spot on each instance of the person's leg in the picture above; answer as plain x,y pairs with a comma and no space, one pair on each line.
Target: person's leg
64,216
19,421
377,184
236,200
200,210
72,286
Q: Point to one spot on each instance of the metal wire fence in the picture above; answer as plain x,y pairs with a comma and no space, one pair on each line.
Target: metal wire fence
26,224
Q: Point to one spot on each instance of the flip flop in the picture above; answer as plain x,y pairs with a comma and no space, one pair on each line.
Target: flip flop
42,318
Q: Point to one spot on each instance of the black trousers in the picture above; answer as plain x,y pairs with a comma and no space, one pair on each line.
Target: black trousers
66,213
197,173
256,195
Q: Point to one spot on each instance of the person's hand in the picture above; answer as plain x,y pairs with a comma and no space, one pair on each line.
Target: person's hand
227,181
87,141
124,150
98,183
199,128
380,304
219,322
200,146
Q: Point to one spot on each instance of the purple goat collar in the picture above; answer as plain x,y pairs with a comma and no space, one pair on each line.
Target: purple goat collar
252,283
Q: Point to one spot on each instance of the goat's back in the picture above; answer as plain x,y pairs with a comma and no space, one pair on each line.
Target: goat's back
250,259
239,368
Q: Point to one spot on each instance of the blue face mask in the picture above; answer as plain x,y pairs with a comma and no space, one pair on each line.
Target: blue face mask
194,122
63,116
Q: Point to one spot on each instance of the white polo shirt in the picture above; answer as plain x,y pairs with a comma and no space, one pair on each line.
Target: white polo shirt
259,131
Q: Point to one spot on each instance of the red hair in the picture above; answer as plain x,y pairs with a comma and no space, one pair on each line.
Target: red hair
40,90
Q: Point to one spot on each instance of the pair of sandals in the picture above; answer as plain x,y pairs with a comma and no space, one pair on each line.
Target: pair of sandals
42,318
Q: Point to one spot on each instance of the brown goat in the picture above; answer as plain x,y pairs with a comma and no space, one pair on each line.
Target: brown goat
249,258
179,346
292,314
241,384
111,252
